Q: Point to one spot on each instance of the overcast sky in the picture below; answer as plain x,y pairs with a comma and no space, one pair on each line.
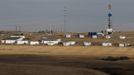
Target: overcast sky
82,15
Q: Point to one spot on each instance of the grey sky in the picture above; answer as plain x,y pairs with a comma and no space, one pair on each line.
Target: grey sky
82,15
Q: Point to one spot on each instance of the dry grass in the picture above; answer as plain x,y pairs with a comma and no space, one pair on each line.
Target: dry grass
59,60
95,51
27,69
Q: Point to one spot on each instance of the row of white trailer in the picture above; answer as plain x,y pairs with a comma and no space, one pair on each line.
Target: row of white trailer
104,44
20,40
27,42
58,41
82,36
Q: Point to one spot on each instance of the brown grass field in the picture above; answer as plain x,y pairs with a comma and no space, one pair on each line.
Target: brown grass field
59,60
77,51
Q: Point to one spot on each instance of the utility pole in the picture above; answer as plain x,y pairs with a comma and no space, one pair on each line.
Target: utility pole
16,28
65,21
19,28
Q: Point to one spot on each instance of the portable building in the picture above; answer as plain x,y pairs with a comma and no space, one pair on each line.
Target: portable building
106,44
69,43
81,36
22,42
66,44
3,41
94,36
68,36
13,40
108,36
51,41
121,45
122,37
87,43
34,43
100,34
20,37
90,34
72,42
10,40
